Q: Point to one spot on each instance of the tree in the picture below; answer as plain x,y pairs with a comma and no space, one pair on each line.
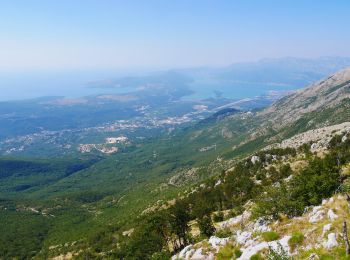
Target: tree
317,181
179,218
206,226
238,185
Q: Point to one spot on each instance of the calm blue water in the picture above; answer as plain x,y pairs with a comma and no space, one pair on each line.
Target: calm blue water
74,84
234,90
16,86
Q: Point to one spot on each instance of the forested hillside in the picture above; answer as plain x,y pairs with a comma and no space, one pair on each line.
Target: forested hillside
165,193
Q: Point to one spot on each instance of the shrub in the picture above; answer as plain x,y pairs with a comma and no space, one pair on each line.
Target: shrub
278,254
237,252
163,255
206,226
226,252
270,236
218,217
296,239
222,233
256,257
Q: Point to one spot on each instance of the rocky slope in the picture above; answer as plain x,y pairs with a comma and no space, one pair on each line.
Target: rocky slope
320,95
318,232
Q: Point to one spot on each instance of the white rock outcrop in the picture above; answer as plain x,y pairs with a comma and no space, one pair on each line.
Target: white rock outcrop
255,159
185,253
236,220
344,138
331,241
261,225
198,255
217,241
317,214
331,215
326,228
243,237
255,248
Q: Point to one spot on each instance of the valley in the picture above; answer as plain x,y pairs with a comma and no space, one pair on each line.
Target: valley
89,186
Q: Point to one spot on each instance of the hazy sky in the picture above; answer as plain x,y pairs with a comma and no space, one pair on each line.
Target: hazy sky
84,34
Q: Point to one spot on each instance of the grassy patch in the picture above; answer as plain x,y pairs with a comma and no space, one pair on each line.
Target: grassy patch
222,233
256,257
296,240
270,236
228,252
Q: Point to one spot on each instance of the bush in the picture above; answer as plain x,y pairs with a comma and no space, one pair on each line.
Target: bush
218,217
320,179
163,255
222,233
226,252
237,252
278,254
296,240
326,257
206,226
270,236
256,257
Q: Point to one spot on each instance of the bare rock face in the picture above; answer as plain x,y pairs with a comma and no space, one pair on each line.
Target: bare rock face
317,214
326,228
216,241
325,93
255,159
331,241
260,225
243,237
319,137
331,215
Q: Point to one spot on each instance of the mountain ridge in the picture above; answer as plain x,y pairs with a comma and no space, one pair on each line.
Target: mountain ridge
324,93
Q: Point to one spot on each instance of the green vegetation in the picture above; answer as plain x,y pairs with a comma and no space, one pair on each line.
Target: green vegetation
218,216
256,257
320,179
87,202
270,236
278,254
22,234
296,240
228,252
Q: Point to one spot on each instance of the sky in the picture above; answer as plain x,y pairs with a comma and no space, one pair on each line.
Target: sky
139,34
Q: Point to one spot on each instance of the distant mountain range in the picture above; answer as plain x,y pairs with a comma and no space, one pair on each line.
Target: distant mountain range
239,80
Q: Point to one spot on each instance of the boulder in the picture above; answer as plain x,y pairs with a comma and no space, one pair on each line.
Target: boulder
243,237
217,183
260,225
217,241
198,255
283,242
313,256
344,138
317,214
255,159
331,215
236,220
255,248
248,252
186,252
326,228
331,241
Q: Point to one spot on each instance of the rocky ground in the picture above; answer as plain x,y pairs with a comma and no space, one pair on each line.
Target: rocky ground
317,232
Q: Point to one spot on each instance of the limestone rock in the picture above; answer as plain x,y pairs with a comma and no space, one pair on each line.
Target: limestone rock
331,241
